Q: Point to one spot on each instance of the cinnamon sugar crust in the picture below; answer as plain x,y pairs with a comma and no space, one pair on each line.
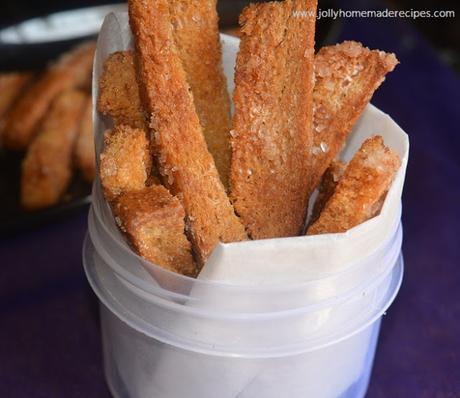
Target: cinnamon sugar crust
360,192
272,126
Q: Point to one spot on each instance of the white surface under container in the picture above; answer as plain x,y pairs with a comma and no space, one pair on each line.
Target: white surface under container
295,317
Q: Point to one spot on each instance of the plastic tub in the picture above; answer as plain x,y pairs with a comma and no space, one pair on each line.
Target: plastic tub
169,336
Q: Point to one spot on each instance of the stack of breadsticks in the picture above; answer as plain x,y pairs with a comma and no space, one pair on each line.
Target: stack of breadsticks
181,174
49,118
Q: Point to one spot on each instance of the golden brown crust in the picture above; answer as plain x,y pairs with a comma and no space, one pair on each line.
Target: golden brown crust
272,125
359,192
327,187
70,71
196,34
153,221
346,77
119,92
186,165
125,161
84,149
47,166
11,85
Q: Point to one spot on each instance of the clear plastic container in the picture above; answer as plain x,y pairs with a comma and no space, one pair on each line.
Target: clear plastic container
169,336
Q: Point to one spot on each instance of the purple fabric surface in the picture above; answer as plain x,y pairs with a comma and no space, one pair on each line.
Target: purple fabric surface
49,332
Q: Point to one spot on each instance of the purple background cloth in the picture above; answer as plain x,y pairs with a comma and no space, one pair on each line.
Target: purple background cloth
49,332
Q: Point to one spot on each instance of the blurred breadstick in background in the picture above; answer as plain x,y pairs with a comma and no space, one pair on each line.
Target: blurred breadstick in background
196,33
327,187
153,221
85,157
47,166
119,92
346,77
272,125
72,70
186,165
125,161
360,192
12,85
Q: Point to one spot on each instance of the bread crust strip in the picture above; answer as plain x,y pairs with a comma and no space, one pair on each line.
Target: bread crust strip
153,221
119,92
360,192
272,126
124,161
71,70
11,85
327,187
186,165
47,166
346,77
196,34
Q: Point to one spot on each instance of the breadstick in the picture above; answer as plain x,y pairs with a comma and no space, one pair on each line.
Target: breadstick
153,221
272,125
196,33
119,92
346,77
125,161
327,187
84,148
186,165
47,166
360,192
70,71
11,85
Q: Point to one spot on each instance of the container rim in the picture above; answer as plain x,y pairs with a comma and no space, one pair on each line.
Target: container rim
151,331
390,246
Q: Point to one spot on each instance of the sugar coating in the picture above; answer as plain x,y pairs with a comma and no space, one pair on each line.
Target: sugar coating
272,125
361,191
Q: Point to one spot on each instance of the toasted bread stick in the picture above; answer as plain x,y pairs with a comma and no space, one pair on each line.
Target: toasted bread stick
272,125
84,149
196,34
119,92
153,221
186,165
327,187
346,77
360,192
70,71
47,166
125,161
11,85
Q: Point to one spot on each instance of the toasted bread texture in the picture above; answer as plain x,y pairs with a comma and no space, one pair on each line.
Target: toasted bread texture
119,92
70,71
11,85
196,34
47,166
272,125
186,165
360,192
85,157
124,161
327,187
346,77
153,221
